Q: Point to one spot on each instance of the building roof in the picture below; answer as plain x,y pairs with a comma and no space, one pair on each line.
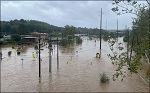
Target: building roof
30,37
6,36
25,35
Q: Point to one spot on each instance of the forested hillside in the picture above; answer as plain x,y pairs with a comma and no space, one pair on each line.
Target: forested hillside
27,26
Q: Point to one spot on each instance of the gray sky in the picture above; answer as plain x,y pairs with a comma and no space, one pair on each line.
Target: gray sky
60,13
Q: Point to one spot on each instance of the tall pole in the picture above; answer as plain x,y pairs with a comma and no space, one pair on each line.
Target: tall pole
100,29
50,57
57,56
0,54
149,44
117,30
127,40
106,24
128,45
0,47
39,59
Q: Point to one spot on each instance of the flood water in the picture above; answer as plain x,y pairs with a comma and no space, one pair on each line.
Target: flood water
79,71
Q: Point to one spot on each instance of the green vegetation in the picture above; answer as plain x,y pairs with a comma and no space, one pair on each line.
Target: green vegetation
68,36
78,40
106,37
104,78
68,32
25,27
138,39
22,27
9,53
15,37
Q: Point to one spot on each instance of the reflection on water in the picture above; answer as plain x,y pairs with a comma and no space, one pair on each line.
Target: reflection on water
68,50
79,71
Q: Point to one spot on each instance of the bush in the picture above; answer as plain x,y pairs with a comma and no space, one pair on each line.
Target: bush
16,37
105,37
9,53
36,47
104,78
78,40
18,53
1,42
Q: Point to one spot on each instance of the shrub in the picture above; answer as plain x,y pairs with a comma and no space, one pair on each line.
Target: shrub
104,78
36,47
9,53
78,40
16,37
18,53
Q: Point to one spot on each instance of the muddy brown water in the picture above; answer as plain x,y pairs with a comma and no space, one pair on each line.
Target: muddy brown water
79,71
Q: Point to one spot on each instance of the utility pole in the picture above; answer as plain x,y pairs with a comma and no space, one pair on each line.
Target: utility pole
0,47
106,24
117,30
50,56
100,29
149,42
149,38
39,59
128,45
0,55
57,56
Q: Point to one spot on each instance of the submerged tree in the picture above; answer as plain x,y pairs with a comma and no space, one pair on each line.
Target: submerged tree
69,32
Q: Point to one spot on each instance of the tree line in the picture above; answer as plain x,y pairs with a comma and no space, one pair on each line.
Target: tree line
23,27
26,27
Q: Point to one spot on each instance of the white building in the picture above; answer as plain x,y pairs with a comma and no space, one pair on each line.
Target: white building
6,37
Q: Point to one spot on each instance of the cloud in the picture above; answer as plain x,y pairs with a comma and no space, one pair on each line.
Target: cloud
60,13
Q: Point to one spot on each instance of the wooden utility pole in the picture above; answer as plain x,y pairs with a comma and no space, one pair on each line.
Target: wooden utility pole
0,54
50,56
149,37
106,24
57,56
100,29
39,59
149,44
117,30
128,45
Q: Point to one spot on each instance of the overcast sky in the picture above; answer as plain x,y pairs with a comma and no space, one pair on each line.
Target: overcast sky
61,13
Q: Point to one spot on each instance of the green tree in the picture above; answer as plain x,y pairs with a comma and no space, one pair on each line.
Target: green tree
139,37
22,29
69,31
16,37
